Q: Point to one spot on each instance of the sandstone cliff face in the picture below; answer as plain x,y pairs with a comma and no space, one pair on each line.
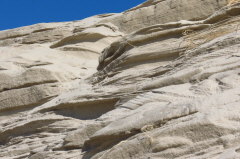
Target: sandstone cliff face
158,81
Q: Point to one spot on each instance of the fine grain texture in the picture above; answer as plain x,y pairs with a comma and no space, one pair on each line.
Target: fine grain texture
158,81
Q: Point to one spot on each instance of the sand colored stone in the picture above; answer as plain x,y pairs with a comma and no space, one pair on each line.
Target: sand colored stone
158,81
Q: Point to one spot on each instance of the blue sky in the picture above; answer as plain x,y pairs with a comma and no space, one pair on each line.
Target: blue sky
17,13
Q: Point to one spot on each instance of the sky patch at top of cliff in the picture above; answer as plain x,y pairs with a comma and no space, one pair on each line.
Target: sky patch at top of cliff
17,13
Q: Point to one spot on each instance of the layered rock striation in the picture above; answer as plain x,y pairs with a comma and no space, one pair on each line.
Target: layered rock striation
158,81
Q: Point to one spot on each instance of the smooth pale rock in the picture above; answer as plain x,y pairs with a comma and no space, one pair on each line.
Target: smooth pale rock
77,138
158,81
163,11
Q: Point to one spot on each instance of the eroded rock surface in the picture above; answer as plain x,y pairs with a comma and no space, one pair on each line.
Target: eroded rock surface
158,81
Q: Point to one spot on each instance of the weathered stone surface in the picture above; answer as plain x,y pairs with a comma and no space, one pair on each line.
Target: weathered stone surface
154,12
166,85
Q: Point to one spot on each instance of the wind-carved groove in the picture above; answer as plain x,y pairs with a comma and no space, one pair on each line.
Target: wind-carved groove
136,60
42,30
38,64
79,49
77,38
13,36
26,85
2,68
107,26
84,110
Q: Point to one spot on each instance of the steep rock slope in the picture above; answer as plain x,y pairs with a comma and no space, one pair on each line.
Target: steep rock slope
166,85
35,72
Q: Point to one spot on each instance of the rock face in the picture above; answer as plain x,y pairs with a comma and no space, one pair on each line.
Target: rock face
158,81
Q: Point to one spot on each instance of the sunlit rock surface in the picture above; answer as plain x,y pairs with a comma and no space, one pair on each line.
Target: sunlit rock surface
158,81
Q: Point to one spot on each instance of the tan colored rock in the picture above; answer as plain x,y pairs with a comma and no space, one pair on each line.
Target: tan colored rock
77,138
154,12
166,85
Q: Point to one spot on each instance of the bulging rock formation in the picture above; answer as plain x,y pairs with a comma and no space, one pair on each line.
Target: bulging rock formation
158,81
